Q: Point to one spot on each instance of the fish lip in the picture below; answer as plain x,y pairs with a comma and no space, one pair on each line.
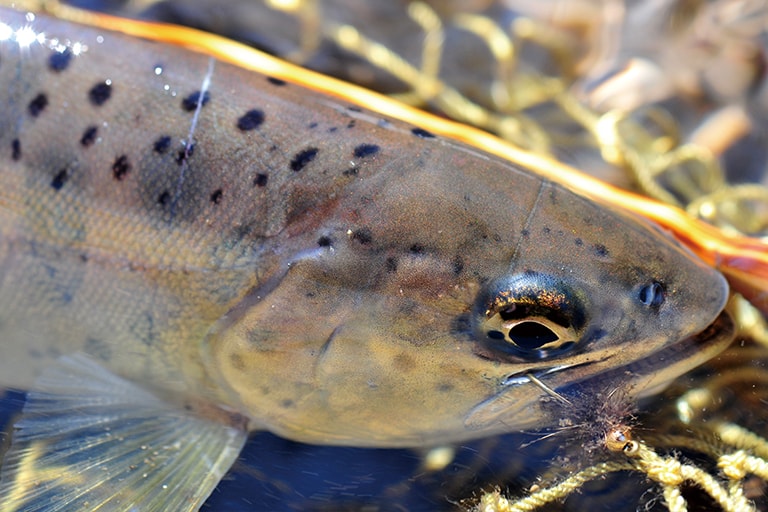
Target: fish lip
642,377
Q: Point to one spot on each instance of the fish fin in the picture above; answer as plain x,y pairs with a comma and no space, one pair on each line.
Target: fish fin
90,440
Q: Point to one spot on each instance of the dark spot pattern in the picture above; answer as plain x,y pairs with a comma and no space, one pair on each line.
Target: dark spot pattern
324,241
59,61
37,105
250,120
458,265
100,93
185,153
363,235
189,104
276,81
525,232
364,150
216,196
352,171
391,265
351,124
164,198
601,251
579,242
312,125
261,180
121,167
422,133
16,149
302,158
161,144
89,136
59,180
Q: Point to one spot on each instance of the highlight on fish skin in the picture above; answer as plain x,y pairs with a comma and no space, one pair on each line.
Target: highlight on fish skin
200,229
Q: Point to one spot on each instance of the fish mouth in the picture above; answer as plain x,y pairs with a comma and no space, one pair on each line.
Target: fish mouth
529,395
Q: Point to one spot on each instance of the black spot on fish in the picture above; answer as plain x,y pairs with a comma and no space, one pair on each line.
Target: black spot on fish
324,241
100,93
89,136
59,180
525,232
162,144
363,235
351,124
332,129
458,265
312,125
37,105
16,149
546,230
352,171
189,104
164,198
287,403
121,167
422,133
216,196
600,250
59,61
250,120
276,81
364,150
579,242
417,249
260,180
185,154
391,264
302,158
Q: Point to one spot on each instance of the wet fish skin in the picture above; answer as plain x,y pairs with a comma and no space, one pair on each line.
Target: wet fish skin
222,237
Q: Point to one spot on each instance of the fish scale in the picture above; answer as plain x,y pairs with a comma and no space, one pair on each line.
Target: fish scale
190,251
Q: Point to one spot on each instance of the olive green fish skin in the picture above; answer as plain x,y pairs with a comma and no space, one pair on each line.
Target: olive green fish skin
213,233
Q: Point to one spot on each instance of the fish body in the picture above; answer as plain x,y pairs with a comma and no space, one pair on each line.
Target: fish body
224,251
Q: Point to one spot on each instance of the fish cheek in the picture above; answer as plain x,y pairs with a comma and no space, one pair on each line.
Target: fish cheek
264,352
318,347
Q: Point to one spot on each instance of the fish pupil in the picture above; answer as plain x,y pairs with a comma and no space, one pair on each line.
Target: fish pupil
532,335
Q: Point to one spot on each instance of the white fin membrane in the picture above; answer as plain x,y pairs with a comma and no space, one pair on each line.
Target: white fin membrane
90,440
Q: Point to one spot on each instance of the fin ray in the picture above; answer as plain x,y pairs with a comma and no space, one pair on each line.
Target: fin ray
91,440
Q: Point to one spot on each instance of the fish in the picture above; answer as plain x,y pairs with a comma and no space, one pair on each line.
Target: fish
191,251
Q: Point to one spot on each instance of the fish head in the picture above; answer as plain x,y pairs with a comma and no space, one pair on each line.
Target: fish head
451,305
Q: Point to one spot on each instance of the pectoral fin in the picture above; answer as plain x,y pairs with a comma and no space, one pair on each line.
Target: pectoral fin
90,440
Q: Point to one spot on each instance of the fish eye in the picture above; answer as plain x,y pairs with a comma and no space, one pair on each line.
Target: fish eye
530,315
652,295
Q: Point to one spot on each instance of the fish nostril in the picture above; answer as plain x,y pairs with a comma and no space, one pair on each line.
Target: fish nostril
652,295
